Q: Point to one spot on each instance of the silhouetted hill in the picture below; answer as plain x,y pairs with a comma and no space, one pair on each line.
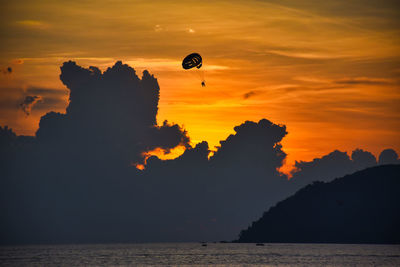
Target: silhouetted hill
363,207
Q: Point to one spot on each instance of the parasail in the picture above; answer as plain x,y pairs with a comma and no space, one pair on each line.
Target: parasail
194,60
191,61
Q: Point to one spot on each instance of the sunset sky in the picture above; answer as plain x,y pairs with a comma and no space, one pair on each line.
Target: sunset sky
328,70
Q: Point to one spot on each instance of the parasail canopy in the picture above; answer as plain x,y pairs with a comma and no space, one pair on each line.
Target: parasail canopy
191,61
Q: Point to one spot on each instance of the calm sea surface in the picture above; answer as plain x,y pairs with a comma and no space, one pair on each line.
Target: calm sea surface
194,254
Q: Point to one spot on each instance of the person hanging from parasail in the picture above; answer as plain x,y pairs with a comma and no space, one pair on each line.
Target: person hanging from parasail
194,62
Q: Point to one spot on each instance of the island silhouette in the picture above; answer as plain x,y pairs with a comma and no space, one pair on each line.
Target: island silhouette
363,207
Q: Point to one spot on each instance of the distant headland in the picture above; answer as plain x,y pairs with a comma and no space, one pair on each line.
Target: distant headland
363,207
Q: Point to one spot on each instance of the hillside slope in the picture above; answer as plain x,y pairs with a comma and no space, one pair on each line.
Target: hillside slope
363,207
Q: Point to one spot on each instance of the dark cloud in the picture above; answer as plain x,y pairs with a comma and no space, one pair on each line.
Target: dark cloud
335,164
388,156
365,81
214,197
117,108
75,180
362,159
249,94
324,168
28,103
78,174
51,98
254,143
14,99
81,161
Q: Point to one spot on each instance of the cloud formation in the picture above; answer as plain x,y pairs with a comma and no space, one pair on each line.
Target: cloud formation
81,162
362,159
50,97
249,94
28,103
75,180
115,106
388,156
364,81
215,196
335,164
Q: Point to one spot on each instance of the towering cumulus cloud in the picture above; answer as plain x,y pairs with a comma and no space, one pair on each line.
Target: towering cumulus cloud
75,181
75,178
113,113
209,199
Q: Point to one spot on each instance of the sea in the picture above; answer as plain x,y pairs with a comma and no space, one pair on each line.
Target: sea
201,254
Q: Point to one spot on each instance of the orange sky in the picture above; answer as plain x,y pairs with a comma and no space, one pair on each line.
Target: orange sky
329,71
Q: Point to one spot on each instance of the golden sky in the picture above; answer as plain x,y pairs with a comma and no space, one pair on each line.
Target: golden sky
328,70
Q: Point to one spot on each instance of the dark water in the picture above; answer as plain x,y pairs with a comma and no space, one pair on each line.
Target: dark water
194,254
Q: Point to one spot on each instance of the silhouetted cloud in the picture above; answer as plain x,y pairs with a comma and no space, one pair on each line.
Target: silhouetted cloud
324,168
362,159
363,80
250,94
335,164
42,99
28,103
119,107
75,180
50,97
241,175
255,143
388,156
